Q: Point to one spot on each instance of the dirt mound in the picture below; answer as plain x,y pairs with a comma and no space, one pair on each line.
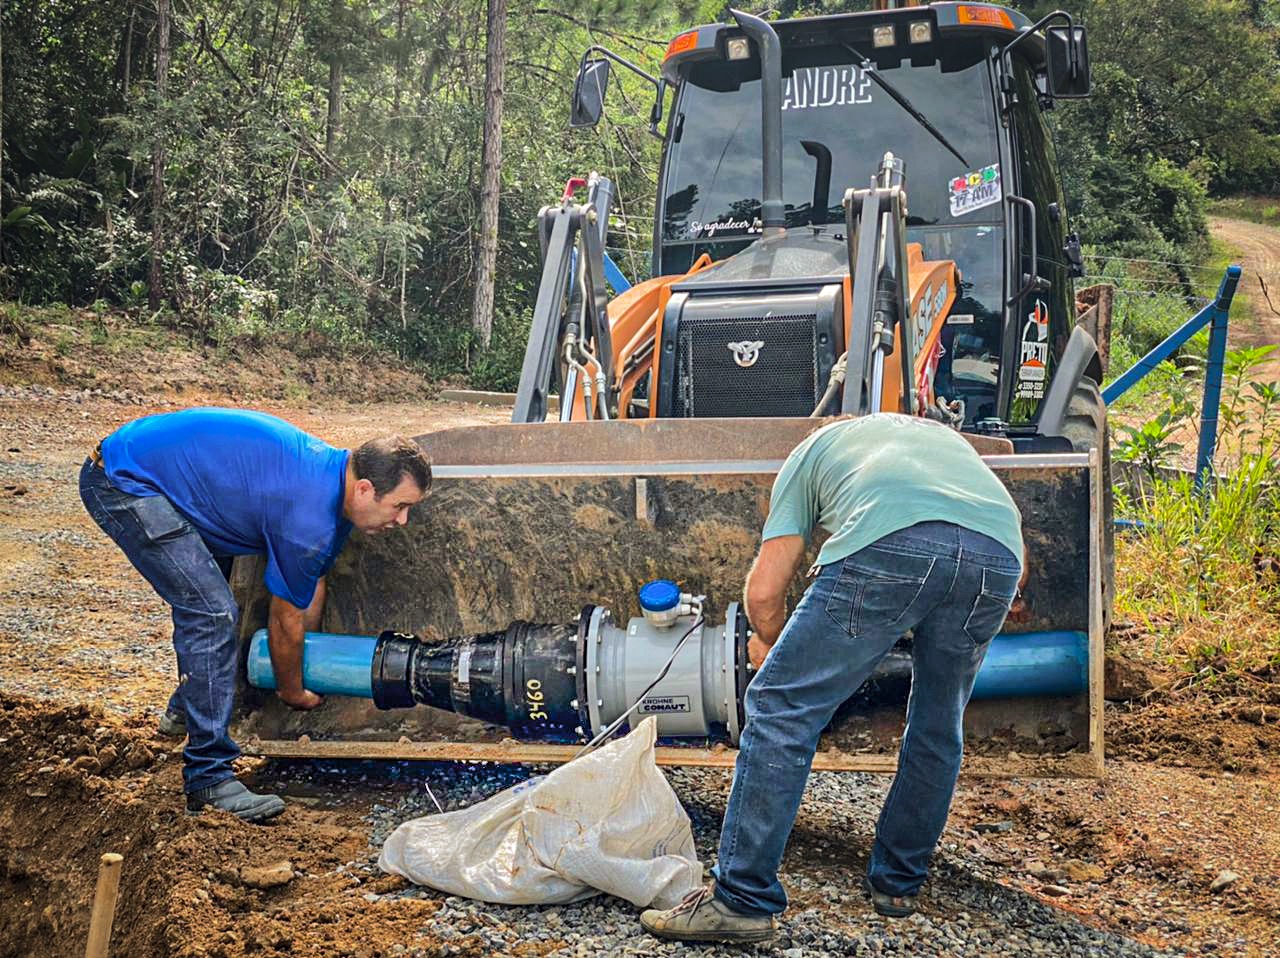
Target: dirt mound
1186,730
115,357
78,783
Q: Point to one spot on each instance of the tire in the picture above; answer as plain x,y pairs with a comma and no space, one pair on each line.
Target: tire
1085,427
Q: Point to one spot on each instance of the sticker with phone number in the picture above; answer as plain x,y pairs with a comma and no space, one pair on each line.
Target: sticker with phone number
975,190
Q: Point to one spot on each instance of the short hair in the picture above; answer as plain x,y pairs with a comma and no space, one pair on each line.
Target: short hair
387,460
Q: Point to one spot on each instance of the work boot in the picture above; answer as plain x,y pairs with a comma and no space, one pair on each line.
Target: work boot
172,724
231,796
891,906
703,917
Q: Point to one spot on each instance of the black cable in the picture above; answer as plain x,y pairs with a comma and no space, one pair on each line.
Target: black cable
613,726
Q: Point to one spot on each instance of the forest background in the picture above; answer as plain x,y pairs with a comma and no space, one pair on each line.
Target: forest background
317,168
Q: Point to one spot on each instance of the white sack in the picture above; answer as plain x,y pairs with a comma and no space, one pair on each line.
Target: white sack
607,822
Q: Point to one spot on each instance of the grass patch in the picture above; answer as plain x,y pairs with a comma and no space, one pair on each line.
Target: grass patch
1200,575
1253,207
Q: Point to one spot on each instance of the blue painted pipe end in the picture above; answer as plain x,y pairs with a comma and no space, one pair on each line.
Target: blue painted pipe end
1034,664
332,664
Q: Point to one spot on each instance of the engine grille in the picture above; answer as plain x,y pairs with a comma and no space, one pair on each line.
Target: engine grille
783,381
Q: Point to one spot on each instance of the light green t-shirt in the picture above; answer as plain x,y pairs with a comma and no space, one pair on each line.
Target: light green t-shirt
861,479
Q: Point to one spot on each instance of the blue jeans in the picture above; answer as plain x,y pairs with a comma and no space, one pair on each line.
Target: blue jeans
172,556
952,588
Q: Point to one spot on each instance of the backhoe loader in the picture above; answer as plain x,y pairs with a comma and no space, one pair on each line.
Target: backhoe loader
855,213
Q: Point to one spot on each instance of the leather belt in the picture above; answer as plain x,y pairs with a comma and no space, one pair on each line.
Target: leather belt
96,455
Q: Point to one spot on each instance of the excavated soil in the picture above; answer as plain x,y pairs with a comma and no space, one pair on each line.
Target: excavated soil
79,782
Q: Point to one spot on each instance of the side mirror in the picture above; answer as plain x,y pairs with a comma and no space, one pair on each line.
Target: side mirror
588,93
1067,62
1072,253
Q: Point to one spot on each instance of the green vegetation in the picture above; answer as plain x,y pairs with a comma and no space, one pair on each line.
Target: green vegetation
321,157
1202,573
1258,209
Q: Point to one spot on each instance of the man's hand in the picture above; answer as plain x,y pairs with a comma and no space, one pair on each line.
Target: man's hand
1019,611
284,641
757,649
300,699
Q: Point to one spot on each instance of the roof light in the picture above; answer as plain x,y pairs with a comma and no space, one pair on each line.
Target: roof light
738,48
686,41
984,16
882,36
921,31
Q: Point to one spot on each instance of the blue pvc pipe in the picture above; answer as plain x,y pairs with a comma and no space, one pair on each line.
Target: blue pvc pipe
331,664
1034,664
1030,664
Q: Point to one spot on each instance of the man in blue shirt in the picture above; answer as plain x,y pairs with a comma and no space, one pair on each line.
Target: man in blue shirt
182,494
923,539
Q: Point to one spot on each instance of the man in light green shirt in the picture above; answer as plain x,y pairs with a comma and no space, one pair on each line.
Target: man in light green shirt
923,538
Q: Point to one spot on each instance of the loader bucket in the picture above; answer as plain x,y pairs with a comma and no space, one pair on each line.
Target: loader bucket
534,521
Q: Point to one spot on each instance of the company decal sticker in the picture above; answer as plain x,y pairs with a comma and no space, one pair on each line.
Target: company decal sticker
960,319
816,87
975,190
1033,359
659,704
708,230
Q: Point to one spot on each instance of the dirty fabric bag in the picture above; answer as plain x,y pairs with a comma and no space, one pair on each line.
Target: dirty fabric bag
607,822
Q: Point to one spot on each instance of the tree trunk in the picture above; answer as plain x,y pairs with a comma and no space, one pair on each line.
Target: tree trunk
128,60
156,282
491,173
391,155
335,85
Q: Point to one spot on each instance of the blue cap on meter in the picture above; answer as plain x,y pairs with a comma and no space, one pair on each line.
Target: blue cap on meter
659,595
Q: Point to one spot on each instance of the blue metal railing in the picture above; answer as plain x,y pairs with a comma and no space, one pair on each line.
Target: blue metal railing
614,275
1215,316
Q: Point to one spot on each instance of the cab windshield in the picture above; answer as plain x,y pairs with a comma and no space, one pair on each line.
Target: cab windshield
837,124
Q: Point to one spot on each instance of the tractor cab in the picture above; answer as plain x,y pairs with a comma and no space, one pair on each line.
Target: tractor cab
958,93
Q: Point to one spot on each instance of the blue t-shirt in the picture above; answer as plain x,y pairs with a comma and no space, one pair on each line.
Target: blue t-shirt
250,483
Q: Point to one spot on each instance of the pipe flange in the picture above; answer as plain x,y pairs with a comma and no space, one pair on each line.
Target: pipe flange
744,675
580,686
595,725
729,672
390,670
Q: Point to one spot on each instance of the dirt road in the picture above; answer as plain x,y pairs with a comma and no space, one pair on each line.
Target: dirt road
1258,249
1106,867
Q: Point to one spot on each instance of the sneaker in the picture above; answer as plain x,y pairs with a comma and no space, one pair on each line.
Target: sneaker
703,917
231,796
890,906
172,724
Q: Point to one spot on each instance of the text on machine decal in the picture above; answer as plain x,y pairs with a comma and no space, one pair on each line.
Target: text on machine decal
812,87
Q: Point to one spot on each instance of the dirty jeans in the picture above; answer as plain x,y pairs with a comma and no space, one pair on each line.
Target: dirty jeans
952,588
172,556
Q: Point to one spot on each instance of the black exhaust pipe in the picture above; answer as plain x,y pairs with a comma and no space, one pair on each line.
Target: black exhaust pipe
773,215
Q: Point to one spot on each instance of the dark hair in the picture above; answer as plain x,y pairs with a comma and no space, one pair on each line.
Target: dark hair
387,460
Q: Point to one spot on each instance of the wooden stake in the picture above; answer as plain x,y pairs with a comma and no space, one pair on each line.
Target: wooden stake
104,906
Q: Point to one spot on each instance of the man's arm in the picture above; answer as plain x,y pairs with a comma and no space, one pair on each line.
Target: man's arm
315,611
285,630
765,596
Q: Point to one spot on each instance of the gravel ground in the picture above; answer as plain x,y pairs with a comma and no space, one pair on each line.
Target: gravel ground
964,910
